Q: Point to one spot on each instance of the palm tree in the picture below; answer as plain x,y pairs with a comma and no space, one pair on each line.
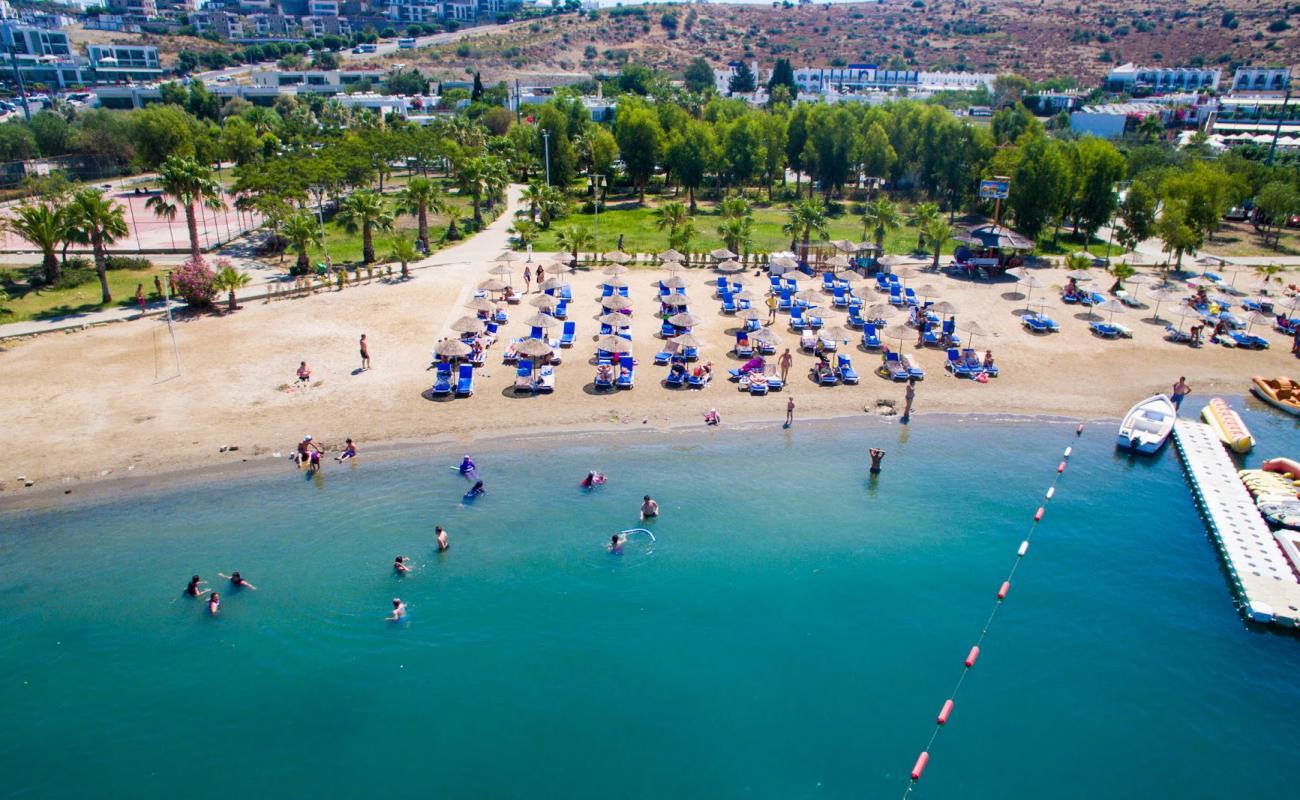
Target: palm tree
555,204
97,221
415,199
534,195
303,232
45,226
1121,271
1267,273
937,232
880,216
922,214
671,215
1151,128
228,279
472,175
187,183
737,234
735,208
525,233
444,207
806,218
366,211
404,253
681,239
574,238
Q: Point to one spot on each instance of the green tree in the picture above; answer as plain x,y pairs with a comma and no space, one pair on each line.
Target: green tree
1098,167
365,211
879,217
404,252
741,151
796,139
1275,202
735,208
52,134
1178,234
783,75
772,133
473,176
670,215
1137,216
737,233
525,233
1041,178
185,183
690,154
936,234
572,239
806,217
828,155
699,76
161,131
229,280
877,155
743,81
46,227
239,141
96,220
921,216
1151,128
415,199
303,232
1010,124
640,141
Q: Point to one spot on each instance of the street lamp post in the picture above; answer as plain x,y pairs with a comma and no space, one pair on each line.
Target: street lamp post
546,144
597,181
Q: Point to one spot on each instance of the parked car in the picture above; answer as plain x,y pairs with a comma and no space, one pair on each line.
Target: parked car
1237,214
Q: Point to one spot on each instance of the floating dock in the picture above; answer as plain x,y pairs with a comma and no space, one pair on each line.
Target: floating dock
1256,558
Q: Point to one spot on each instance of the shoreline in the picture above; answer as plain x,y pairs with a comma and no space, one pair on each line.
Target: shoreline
135,484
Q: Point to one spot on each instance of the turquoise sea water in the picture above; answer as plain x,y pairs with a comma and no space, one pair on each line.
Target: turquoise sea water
792,633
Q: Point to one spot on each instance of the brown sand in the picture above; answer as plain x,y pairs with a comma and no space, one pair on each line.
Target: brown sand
98,403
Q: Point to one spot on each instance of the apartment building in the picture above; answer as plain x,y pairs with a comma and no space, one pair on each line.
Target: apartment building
1135,80
1261,79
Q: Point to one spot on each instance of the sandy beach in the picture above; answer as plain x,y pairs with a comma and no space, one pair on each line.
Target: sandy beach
98,403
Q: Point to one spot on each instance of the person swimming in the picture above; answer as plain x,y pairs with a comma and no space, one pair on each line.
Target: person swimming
442,538
476,490
193,589
876,456
467,466
400,566
616,543
593,480
214,604
399,611
237,580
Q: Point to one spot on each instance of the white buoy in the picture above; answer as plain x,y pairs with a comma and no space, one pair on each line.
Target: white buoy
1024,548
1051,490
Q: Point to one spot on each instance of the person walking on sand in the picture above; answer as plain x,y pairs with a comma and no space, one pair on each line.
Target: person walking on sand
139,297
784,363
365,354
1181,390
304,372
789,410
528,280
908,396
772,304
157,284
541,276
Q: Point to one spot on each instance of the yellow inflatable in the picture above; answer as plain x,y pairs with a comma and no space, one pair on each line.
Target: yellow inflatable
1227,425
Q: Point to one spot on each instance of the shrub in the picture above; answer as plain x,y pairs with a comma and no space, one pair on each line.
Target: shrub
195,283
128,262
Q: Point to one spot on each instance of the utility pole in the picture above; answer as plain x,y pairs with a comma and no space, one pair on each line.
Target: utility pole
596,182
18,76
546,143
1281,115
167,306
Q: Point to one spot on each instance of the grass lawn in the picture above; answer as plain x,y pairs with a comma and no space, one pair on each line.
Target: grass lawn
28,304
1241,239
636,224
345,246
1068,243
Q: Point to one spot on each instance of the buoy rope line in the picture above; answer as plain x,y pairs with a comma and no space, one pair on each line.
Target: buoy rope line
946,710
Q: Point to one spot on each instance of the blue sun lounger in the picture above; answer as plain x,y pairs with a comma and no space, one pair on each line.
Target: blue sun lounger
847,373
1037,323
957,366
743,347
728,304
895,295
785,300
870,339
811,318
696,381
797,322
675,380
893,367
950,330
909,297
855,317
930,338
598,383
839,298
1249,340
561,310
501,318
1105,330
567,334
624,381
972,360
758,387
442,380
465,381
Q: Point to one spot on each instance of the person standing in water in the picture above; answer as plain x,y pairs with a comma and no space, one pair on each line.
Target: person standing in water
399,611
789,411
214,604
400,566
1181,390
237,580
908,396
442,538
649,508
876,456
193,589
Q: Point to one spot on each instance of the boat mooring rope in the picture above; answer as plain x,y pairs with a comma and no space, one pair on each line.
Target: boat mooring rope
946,710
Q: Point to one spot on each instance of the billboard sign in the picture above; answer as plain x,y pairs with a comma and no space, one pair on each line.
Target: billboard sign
995,190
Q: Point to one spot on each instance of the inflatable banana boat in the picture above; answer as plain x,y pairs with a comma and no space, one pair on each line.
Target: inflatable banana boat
1227,425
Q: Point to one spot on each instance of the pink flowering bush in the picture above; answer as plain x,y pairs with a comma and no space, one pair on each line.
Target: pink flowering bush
195,283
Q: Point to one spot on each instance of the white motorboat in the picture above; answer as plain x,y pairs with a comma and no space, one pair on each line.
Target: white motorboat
1147,425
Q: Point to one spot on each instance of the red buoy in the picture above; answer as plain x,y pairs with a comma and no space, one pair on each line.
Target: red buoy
919,766
1079,430
1061,468
972,655
1006,587
1038,515
945,711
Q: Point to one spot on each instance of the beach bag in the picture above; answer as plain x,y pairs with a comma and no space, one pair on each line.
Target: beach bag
983,377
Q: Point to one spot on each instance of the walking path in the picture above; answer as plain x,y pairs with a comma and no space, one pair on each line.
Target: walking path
268,279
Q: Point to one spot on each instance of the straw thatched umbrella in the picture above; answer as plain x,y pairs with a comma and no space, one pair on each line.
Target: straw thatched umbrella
898,331
545,302
838,332
615,320
481,304
452,348
614,344
1184,313
1162,293
1081,275
843,245
765,336
892,260
1257,318
468,325
540,320
943,308
809,297
618,257
974,329
838,261
615,282
502,269
867,247
551,284
721,254
687,340
878,311
1201,280
509,257
729,266
675,282
783,261
615,269
1141,279
753,313
1029,282
493,285
674,301
925,291
747,296
1111,305
684,320
534,347
615,303
671,255
1291,303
